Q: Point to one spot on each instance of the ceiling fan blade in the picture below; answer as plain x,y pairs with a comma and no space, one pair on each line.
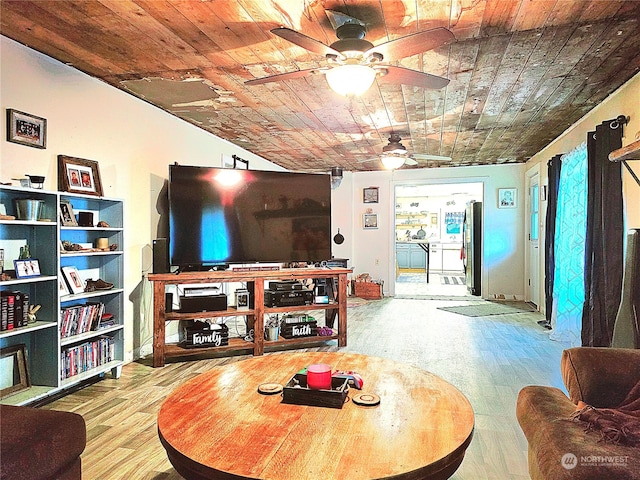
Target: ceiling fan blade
427,156
284,76
410,161
412,77
412,44
305,42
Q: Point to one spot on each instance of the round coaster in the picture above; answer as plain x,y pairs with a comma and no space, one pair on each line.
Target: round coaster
269,388
366,399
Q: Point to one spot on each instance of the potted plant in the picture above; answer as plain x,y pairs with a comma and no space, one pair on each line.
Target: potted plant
272,327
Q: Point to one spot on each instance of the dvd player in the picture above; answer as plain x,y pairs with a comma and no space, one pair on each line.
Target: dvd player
285,285
291,298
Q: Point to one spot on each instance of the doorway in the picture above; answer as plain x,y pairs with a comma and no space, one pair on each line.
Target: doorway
429,237
533,240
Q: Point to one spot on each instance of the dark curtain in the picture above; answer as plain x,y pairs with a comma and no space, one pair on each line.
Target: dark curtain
604,249
554,166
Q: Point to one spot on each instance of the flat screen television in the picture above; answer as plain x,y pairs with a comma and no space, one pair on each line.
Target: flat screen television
221,216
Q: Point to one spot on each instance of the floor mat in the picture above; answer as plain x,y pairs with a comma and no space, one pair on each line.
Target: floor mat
490,308
448,280
412,278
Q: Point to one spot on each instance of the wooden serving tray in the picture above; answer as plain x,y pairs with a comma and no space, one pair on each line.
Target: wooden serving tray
297,392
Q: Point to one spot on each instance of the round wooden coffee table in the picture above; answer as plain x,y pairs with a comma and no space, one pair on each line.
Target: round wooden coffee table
217,425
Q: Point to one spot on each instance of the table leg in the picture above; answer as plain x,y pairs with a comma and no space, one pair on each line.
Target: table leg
158,324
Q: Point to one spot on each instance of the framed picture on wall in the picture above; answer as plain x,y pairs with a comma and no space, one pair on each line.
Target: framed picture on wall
26,129
370,221
370,195
507,197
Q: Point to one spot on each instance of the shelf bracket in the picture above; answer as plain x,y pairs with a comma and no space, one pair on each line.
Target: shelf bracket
633,174
630,152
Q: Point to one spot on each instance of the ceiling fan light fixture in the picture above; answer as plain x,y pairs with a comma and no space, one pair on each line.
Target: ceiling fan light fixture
350,79
391,162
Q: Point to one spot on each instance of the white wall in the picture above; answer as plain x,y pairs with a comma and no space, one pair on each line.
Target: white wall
373,251
133,142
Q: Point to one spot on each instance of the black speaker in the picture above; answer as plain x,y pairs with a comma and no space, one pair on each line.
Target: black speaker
321,290
208,303
168,302
160,255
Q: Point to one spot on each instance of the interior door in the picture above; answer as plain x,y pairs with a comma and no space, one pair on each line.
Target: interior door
533,244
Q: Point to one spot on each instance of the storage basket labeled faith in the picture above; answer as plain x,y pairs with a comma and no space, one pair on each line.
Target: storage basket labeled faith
298,325
299,329
203,334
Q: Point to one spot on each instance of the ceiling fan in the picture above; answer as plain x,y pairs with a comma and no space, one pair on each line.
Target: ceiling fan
395,154
354,63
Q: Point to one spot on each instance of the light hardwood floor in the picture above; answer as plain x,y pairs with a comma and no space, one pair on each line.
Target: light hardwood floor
488,358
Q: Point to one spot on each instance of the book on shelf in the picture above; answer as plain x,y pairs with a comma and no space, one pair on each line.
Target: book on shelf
81,319
14,310
86,356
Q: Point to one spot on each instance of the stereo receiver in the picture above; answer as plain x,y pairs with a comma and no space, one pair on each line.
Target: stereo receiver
291,298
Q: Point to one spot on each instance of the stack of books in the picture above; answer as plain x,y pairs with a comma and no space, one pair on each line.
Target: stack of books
14,310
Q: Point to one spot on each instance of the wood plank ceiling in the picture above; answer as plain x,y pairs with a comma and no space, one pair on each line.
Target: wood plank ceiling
521,71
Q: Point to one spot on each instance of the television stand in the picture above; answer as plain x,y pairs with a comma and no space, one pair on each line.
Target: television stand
337,306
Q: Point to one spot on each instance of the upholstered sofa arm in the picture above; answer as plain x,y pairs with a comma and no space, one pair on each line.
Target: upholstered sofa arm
39,444
599,376
562,449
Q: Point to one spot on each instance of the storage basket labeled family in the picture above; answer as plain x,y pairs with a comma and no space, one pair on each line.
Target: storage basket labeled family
202,334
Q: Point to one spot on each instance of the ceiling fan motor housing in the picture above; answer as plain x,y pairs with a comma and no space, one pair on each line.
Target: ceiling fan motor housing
352,42
394,145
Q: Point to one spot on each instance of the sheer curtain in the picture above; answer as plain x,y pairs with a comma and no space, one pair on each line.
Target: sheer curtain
569,248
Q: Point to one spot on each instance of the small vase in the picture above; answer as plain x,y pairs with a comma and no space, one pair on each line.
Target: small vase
272,333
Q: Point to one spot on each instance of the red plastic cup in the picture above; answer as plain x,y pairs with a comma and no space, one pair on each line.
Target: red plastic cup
319,376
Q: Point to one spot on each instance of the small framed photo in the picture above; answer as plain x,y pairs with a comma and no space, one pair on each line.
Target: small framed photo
67,216
77,175
14,370
370,195
507,198
26,129
26,268
62,288
370,221
72,276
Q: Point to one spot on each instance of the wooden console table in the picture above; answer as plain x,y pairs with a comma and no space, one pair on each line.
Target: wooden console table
255,315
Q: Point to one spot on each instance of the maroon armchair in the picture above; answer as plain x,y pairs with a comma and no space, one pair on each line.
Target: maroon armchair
560,448
37,444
